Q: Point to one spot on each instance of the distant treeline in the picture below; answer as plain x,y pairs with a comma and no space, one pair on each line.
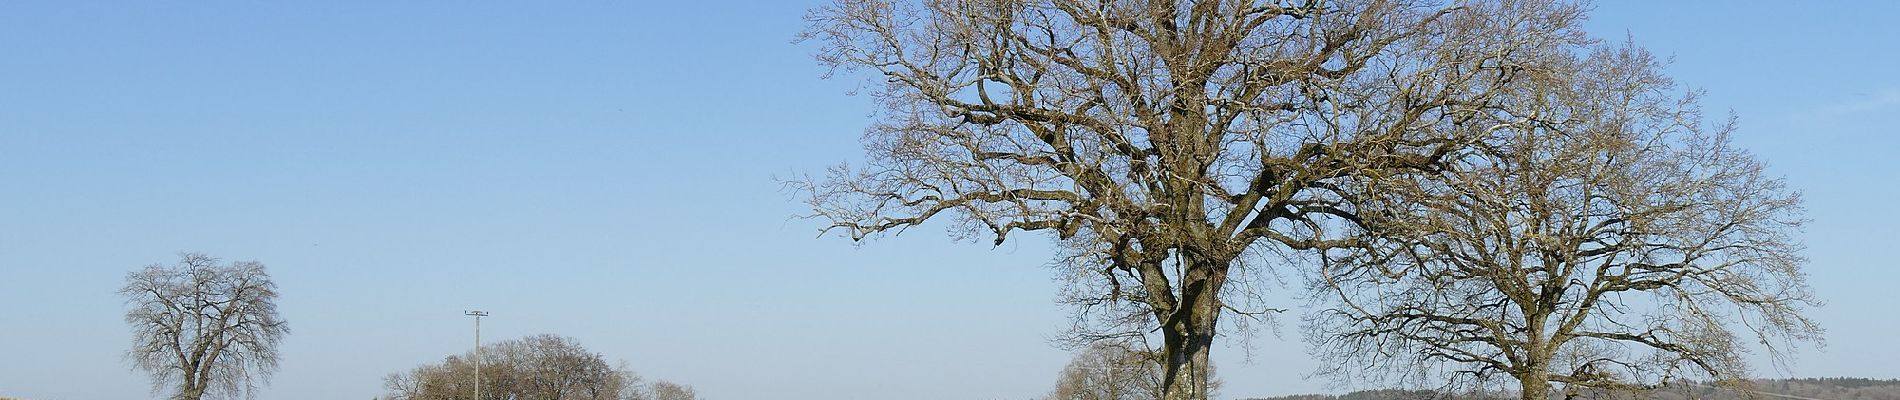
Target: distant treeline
1765,389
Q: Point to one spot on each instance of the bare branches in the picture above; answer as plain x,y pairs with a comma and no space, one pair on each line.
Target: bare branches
1112,369
1161,142
202,328
1597,194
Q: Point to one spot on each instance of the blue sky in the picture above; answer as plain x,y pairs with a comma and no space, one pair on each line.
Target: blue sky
604,170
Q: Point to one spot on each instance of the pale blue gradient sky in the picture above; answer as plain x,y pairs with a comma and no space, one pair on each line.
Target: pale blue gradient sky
603,170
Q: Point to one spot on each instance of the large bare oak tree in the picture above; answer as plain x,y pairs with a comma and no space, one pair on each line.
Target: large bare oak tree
203,328
1606,237
1164,144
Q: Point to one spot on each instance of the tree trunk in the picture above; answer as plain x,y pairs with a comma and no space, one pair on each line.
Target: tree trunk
1187,336
1186,367
193,388
1534,385
191,392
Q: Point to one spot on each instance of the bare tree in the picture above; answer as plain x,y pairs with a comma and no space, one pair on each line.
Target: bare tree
632,386
1164,144
1115,370
536,367
1604,238
1108,370
204,329
664,390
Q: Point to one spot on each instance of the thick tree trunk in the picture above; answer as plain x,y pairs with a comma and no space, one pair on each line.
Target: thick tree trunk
1187,337
1534,385
1186,368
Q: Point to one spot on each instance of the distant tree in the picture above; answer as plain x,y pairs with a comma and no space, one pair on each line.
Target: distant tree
204,329
535,367
1387,394
1114,370
1163,144
1604,238
664,390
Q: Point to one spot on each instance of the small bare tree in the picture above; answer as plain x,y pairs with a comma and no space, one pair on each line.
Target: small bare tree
1163,143
202,328
1604,238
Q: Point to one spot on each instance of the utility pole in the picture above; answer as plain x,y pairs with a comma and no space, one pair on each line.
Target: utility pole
478,314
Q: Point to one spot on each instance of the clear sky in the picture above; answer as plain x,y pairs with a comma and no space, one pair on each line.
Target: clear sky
604,170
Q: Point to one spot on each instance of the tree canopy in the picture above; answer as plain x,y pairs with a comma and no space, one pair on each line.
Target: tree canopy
1166,145
1603,236
203,328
